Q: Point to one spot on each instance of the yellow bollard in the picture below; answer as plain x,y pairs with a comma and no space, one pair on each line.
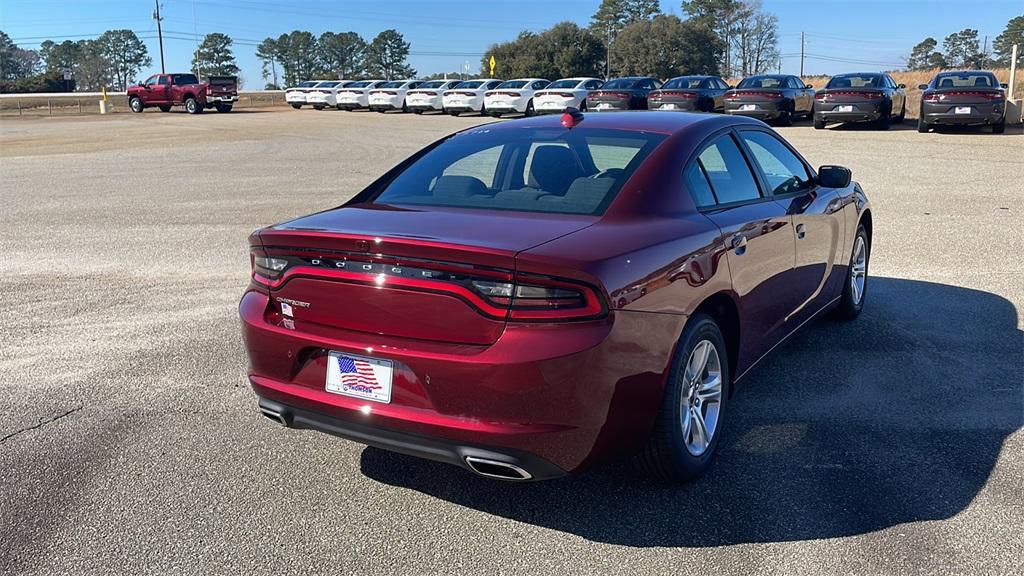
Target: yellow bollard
103,102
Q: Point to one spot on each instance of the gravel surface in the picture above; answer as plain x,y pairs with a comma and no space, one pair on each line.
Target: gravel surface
130,442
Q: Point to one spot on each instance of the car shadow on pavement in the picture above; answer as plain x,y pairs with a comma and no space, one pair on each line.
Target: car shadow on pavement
897,417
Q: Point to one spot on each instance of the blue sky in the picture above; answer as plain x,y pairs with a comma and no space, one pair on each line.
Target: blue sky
842,35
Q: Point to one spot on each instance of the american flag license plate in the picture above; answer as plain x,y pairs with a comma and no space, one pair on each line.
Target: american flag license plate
359,376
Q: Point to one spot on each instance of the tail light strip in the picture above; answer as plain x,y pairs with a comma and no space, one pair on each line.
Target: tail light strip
739,95
965,93
848,93
492,292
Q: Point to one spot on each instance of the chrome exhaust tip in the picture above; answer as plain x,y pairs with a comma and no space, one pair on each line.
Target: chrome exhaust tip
274,415
496,469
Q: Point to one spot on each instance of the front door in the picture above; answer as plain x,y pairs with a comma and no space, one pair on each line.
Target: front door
818,225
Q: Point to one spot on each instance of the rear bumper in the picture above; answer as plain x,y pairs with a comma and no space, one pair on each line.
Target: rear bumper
763,110
861,112
974,118
461,108
425,106
222,99
687,106
379,106
604,106
436,449
569,394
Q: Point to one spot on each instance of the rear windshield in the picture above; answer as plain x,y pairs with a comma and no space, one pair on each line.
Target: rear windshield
855,81
222,80
307,84
392,84
360,84
433,84
470,84
564,84
683,83
180,79
980,80
328,84
576,171
621,83
761,82
514,84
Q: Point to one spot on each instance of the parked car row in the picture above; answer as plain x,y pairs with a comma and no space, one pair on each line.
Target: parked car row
951,98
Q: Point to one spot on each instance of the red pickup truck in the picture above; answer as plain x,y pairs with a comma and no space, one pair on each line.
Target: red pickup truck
166,90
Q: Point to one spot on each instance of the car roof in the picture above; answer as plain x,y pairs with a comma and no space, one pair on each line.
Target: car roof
632,78
635,121
858,74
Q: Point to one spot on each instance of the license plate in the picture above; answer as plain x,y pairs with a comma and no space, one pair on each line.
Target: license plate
359,376
962,110
668,106
457,102
844,108
604,106
748,107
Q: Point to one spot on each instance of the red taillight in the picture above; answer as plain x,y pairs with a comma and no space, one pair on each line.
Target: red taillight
622,95
429,93
687,95
849,93
973,94
325,91
931,97
738,95
265,269
819,96
539,298
562,94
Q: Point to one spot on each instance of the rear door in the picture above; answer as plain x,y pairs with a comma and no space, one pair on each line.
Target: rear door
758,237
818,225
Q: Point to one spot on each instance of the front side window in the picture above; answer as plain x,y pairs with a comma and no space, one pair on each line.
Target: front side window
537,170
150,81
728,172
540,84
163,80
785,172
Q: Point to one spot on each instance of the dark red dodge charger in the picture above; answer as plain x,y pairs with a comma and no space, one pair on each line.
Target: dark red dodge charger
530,298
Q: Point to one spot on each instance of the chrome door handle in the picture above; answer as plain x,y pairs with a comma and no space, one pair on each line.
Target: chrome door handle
739,244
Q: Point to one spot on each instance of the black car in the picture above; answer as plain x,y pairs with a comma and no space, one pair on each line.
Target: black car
768,97
691,93
628,93
969,98
860,97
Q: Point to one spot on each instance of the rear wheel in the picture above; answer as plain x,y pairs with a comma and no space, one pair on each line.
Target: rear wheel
903,114
529,108
689,423
1000,127
296,106
785,118
405,108
454,112
855,288
165,108
922,126
192,106
417,111
318,106
136,105
819,123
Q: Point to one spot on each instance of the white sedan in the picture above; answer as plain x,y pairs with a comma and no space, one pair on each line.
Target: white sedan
325,94
296,95
357,94
565,93
468,96
391,95
428,96
514,96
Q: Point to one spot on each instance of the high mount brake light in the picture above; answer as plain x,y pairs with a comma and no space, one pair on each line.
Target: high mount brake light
571,117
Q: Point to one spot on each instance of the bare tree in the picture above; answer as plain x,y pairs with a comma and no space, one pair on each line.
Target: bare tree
755,40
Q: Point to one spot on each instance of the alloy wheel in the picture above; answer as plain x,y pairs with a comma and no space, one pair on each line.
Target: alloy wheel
858,270
701,399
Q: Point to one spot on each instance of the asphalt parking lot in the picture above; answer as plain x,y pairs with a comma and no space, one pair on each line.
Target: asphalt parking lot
130,442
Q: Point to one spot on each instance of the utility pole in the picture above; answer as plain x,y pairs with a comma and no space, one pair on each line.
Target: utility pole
984,53
160,35
608,53
801,54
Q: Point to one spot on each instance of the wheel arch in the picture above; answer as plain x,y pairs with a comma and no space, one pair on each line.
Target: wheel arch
723,309
865,219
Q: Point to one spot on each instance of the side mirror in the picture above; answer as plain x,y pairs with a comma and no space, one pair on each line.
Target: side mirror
901,85
1004,85
922,86
808,86
834,176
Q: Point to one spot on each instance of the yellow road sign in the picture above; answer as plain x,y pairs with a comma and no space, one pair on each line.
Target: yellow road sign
492,65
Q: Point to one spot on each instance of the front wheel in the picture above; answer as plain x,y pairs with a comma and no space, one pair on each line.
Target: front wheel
192,106
136,105
855,288
689,423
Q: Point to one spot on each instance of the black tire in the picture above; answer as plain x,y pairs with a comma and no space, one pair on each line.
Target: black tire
903,114
165,108
417,111
667,455
819,123
405,108
851,304
136,105
296,106
922,126
1000,127
192,106
785,119
454,112
223,108
483,110
318,107
885,118
529,108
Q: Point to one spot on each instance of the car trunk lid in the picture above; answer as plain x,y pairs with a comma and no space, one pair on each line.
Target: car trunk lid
753,94
422,273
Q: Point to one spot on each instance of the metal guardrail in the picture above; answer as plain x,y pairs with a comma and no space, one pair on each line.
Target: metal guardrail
71,103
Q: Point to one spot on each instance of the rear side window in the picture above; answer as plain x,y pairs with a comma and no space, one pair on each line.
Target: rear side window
536,170
697,183
181,79
727,171
783,170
